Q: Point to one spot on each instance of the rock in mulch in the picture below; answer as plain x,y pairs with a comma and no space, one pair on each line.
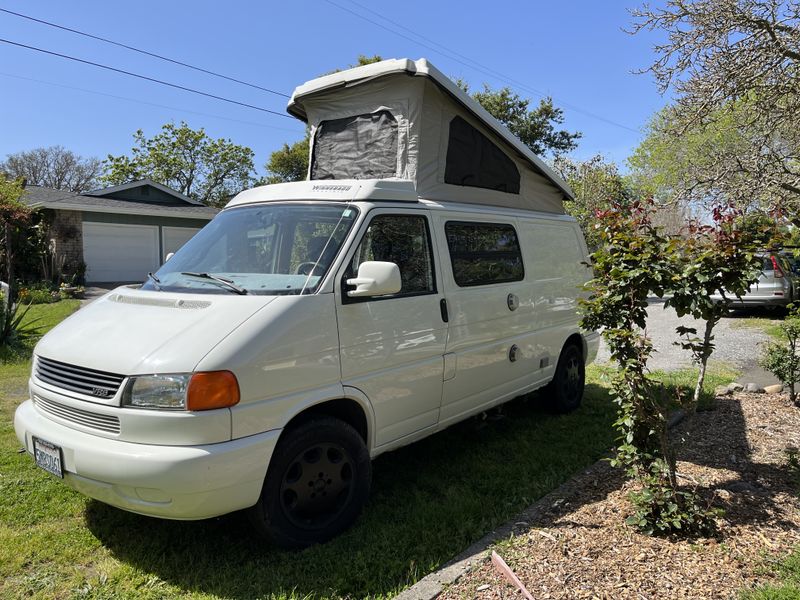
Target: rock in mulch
579,547
774,389
753,388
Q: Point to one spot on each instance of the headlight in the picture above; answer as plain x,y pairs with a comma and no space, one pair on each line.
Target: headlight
205,390
158,391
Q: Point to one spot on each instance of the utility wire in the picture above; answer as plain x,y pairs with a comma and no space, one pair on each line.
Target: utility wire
467,62
146,78
145,52
146,103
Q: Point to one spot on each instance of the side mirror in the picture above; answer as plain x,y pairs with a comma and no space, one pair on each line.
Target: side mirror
376,278
168,256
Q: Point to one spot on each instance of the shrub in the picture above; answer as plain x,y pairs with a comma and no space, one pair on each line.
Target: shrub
33,295
781,359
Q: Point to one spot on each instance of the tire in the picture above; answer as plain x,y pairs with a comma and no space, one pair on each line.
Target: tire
316,486
565,391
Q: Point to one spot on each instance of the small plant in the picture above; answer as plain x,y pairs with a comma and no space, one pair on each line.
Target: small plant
660,509
36,293
14,331
793,465
781,359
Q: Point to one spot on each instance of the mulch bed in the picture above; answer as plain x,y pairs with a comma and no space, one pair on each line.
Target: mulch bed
577,546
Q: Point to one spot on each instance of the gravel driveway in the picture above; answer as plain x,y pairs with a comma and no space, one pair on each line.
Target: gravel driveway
736,346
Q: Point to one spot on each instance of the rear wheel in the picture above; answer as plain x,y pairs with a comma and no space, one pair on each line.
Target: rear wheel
316,485
565,391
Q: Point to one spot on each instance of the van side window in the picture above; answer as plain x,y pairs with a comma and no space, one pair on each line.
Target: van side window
483,253
405,241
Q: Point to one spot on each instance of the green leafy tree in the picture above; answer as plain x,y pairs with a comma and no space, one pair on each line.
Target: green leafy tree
635,261
290,163
716,259
596,184
187,160
535,127
783,359
14,217
732,66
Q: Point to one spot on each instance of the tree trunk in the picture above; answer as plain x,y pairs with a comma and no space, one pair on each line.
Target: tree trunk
701,377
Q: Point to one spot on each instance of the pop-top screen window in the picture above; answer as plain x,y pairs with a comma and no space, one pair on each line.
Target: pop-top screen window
359,147
483,253
474,161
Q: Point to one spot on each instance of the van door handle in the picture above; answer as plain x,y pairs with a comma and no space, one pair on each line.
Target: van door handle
443,308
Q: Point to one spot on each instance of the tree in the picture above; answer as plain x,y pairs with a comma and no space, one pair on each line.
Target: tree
14,216
54,167
535,127
634,262
734,67
728,157
290,163
596,184
187,160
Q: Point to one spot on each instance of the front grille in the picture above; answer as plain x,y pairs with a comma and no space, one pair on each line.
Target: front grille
77,379
79,416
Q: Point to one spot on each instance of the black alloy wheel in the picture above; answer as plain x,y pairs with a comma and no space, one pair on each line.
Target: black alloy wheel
316,485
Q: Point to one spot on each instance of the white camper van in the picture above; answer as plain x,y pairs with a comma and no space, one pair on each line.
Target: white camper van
424,273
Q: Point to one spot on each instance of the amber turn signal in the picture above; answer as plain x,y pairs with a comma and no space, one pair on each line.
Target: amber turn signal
212,389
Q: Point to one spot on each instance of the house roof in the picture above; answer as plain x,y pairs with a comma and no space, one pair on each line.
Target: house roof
98,201
110,191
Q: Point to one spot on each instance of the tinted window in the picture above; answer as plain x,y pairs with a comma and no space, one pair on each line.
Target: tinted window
484,253
359,147
403,240
474,161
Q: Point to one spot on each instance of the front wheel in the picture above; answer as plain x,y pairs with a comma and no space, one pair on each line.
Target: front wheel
565,391
316,485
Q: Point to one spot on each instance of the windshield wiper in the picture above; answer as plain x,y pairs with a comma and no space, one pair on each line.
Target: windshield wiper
156,281
221,280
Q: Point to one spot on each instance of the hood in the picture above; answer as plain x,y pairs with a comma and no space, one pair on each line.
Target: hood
134,332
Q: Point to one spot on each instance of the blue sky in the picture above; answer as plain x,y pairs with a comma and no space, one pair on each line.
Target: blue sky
574,50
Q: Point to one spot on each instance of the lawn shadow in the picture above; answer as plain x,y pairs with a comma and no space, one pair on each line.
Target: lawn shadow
429,501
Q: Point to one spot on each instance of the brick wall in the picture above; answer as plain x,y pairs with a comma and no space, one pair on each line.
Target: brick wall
66,233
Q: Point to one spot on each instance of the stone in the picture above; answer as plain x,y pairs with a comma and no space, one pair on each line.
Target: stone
735,387
722,390
774,389
753,388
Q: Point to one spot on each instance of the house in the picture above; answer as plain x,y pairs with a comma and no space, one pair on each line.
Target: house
119,233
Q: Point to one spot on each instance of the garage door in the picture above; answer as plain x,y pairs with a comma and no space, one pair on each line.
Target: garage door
115,252
175,237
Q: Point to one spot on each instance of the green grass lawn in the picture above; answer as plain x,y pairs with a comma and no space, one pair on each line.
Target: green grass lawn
770,326
789,587
429,501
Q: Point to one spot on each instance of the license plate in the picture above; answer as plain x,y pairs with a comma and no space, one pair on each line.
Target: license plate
48,457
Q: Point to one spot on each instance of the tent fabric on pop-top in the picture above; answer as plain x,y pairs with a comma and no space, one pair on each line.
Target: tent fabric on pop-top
404,119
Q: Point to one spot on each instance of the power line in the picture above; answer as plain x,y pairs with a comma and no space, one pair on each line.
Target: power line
145,52
145,77
137,101
467,62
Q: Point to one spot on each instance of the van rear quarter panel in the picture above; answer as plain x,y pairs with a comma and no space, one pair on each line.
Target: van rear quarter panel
556,254
483,330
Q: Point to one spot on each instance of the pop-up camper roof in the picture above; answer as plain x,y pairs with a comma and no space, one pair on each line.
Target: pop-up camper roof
405,119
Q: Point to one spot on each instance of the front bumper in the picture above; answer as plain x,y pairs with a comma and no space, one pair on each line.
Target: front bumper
173,482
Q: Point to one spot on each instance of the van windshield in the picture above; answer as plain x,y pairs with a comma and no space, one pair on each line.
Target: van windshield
267,249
